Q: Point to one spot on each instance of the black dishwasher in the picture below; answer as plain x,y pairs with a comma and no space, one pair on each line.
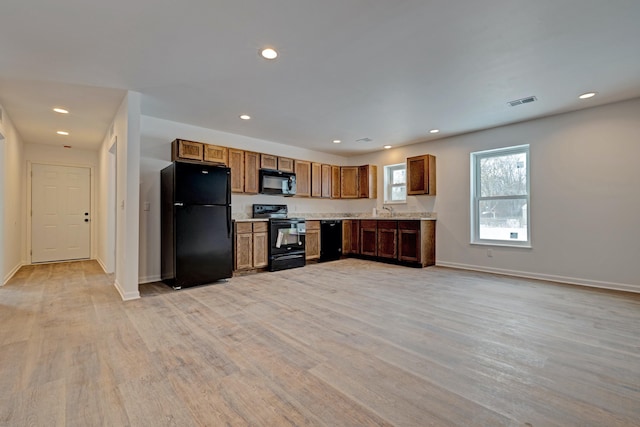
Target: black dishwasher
330,239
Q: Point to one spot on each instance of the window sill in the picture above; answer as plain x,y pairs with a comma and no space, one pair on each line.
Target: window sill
503,244
395,202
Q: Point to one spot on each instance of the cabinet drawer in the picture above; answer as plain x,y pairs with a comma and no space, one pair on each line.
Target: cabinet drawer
388,225
368,223
312,225
409,225
260,227
244,227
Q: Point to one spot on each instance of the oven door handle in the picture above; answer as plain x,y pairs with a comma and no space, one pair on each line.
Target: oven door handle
291,256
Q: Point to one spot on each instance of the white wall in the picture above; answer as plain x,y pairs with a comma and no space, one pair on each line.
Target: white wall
156,138
125,226
12,200
58,155
585,182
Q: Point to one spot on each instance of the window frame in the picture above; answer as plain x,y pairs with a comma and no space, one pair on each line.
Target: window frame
388,183
476,198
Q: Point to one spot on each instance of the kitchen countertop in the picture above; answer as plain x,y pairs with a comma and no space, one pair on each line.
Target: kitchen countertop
395,218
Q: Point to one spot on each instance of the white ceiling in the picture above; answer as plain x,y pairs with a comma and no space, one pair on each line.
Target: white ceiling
388,70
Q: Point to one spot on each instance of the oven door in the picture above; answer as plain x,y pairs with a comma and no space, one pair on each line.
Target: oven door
286,236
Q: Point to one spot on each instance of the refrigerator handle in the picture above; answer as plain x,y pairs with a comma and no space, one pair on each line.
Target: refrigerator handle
228,187
229,221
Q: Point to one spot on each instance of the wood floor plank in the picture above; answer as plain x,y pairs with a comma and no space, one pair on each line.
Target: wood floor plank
346,343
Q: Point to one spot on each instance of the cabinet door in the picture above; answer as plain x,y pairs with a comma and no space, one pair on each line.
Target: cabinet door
251,166
349,182
236,163
346,236
355,237
335,182
303,178
368,238
326,181
260,249
368,182
421,175
285,164
190,150
316,180
268,161
312,244
243,251
215,154
409,241
387,239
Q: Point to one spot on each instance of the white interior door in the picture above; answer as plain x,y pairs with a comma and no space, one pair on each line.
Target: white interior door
60,205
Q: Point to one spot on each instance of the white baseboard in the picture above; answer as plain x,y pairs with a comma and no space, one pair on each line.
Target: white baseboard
11,273
549,277
104,267
126,296
149,279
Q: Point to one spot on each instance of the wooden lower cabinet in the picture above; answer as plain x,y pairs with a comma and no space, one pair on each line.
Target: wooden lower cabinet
411,242
368,237
312,240
417,242
350,236
387,239
251,245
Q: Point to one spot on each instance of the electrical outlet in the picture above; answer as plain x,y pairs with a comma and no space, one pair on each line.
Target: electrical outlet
490,253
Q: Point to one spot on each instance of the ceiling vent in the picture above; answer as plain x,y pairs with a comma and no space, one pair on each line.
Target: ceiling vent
364,140
522,101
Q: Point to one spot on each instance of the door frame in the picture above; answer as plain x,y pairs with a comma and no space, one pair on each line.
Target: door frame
94,213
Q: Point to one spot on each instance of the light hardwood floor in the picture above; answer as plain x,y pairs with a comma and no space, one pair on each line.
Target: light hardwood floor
347,343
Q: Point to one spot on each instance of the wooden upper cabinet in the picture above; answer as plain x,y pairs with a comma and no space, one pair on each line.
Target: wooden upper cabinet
236,163
285,164
421,175
215,154
189,150
349,182
326,181
268,161
335,182
303,178
251,166
316,179
368,179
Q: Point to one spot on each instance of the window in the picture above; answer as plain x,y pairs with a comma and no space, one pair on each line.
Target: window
395,183
500,202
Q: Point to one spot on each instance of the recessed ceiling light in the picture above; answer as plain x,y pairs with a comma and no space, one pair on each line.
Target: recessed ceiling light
269,53
434,131
245,117
587,95
62,132
386,147
336,141
61,110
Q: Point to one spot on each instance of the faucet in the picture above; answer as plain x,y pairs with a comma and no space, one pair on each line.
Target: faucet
390,209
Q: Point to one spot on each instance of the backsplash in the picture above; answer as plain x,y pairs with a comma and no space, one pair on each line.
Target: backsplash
329,215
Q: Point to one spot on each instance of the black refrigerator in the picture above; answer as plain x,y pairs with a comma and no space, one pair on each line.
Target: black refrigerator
196,242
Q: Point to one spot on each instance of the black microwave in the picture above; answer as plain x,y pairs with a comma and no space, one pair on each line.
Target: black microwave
277,182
